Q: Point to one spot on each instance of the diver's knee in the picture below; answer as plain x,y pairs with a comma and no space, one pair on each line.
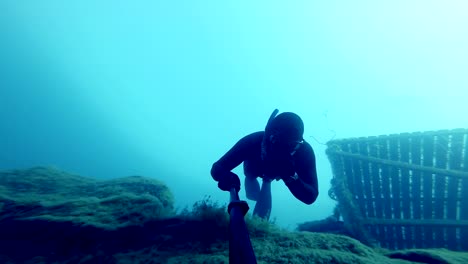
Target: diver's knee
252,188
251,196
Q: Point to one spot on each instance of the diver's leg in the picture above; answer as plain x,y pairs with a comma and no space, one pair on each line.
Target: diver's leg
252,188
263,206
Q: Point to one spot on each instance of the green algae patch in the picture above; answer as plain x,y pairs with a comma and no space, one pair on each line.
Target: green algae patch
65,218
52,195
441,256
271,243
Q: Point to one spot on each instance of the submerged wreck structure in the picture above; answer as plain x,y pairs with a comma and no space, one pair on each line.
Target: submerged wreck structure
403,191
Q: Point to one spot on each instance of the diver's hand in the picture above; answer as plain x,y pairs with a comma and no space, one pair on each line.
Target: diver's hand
230,181
290,178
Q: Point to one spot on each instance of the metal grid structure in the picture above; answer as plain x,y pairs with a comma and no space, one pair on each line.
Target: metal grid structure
405,190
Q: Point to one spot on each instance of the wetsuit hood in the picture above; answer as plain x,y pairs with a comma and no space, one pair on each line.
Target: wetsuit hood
286,130
286,126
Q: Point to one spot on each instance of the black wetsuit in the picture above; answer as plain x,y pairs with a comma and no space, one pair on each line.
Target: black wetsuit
248,150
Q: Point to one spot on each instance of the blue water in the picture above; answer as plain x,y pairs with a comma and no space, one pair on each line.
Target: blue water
109,89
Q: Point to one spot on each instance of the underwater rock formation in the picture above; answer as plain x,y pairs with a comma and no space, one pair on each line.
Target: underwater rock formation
328,225
47,215
49,194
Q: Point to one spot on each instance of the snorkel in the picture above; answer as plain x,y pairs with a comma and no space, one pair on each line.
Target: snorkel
267,133
272,116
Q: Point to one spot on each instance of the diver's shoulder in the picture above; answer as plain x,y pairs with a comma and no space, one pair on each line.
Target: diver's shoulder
254,137
258,134
307,148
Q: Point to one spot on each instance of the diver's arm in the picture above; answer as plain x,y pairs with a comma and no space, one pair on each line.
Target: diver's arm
221,169
306,193
305,186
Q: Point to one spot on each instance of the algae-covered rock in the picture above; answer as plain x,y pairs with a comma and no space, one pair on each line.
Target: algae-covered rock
271,243
53,195
50,216
441,256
